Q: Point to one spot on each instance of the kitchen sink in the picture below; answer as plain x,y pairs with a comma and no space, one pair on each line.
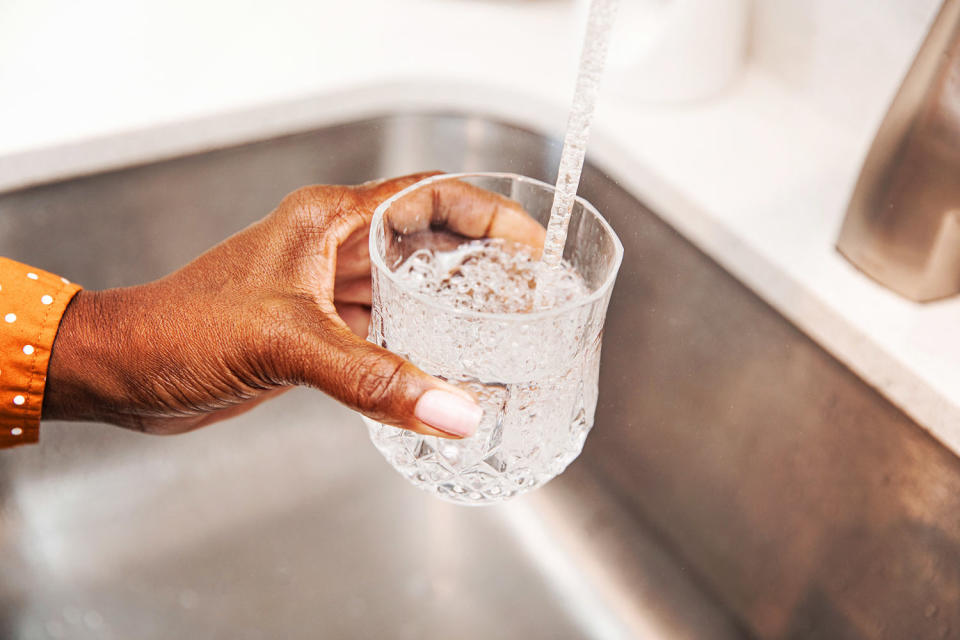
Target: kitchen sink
739,481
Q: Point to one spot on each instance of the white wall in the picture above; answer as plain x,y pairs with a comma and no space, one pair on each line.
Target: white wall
846,57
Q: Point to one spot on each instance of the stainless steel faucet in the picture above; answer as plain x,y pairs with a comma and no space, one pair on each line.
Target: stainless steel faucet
903,223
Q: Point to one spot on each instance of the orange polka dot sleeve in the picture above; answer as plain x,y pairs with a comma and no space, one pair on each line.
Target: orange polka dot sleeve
32,302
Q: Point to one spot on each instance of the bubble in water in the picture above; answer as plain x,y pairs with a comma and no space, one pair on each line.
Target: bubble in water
493,276
534,375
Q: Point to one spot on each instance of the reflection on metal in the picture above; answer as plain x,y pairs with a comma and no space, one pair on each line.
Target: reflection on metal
739,482
903,223
286,523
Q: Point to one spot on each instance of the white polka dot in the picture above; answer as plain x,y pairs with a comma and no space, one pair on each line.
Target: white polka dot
46,299
32,275
10,317
65,281
16,431
19,400
28,349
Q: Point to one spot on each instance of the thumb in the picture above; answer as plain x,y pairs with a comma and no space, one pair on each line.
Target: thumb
383,386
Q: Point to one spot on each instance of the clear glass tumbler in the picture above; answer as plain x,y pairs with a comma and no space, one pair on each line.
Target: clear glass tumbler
534,372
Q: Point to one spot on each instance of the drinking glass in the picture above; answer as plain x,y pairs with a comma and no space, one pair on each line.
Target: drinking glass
534,373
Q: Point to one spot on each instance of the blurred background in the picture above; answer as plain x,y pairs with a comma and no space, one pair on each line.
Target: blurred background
774,452
71,71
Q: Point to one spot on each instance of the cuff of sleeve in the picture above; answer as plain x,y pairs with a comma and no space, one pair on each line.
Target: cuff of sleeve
35,302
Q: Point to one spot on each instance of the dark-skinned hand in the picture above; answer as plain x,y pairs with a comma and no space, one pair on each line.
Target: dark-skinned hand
284,302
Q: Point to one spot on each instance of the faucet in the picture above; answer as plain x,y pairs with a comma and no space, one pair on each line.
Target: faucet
902,225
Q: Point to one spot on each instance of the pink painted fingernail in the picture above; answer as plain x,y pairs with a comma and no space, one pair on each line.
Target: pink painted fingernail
448,412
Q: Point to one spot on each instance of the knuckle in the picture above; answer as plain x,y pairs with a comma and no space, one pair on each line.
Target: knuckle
317,212
297,200
376,382
306,205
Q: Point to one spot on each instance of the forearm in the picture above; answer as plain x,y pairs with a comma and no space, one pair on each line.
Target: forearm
154,357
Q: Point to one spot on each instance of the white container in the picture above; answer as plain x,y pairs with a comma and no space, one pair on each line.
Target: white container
671,51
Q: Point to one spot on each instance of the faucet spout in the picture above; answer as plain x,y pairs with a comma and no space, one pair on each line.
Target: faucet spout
902,225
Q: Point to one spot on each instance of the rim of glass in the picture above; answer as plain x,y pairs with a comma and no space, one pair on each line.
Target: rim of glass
377,260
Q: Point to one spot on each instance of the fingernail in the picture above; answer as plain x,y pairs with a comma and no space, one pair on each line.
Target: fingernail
448,412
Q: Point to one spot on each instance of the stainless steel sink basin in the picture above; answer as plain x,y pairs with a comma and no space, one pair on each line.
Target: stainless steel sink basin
738,483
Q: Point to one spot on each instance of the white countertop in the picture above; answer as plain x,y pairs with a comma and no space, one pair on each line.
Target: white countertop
758,177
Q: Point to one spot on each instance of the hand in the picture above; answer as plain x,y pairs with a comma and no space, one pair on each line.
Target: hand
280,303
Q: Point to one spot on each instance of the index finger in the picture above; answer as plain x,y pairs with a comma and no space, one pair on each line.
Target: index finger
467,210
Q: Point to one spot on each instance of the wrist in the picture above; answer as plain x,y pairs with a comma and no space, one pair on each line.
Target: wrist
85,380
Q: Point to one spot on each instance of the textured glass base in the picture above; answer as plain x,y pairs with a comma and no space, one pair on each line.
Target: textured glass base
469,471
